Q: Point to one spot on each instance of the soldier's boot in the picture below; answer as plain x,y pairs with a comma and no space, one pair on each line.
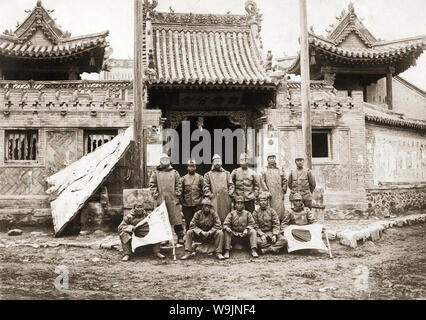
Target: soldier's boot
265,250
180,239
126,258
159,255
226,254
254,253
220,256
187,256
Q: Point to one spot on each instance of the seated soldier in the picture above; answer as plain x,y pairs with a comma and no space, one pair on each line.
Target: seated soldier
239,225
204,226
298,215
128,227
267,226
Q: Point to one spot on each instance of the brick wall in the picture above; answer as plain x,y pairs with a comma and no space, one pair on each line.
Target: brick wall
341,177
395,169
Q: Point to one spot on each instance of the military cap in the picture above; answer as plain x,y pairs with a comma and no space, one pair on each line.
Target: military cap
216,157
190,161
299,156
244,156
271,154
239,199
164,155
207,201
137,203
264,195
297,196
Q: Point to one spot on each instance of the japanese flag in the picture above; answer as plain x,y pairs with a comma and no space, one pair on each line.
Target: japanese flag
153,229
304,237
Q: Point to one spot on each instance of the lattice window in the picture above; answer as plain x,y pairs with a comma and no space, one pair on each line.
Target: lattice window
21,145
95,139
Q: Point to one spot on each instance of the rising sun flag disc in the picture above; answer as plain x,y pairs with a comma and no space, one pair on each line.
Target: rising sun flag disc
153,229
304,237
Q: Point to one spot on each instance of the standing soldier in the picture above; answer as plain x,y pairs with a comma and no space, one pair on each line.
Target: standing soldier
302,181
204,227
165,185
267,226
247,183
274,181
192,184
128,227
239,225
219,188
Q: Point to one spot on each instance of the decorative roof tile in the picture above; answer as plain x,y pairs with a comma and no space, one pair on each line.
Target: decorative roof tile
40,37
64,48
368,52
373,114
184,48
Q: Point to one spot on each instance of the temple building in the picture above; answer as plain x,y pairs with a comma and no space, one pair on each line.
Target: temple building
211,71
49,118
39,50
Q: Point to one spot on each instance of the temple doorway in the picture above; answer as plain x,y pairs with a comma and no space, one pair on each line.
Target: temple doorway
210,123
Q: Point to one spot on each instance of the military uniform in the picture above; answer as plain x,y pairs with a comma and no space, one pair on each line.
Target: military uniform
274,181
192,194
219,188
205,222
268,224
126,230
238,222
165,185
302,181
247,185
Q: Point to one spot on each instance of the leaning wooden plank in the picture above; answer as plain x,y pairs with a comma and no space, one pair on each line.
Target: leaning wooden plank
71,187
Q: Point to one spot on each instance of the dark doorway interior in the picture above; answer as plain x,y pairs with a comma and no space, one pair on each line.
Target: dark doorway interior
210,123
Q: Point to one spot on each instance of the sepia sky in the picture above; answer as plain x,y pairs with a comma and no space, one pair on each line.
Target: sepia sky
386,19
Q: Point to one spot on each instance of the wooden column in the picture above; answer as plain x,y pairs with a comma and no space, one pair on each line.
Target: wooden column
138,89
305,91
389,98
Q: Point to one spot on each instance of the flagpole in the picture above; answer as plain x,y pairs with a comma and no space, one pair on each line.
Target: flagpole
328,244
174,247
305,90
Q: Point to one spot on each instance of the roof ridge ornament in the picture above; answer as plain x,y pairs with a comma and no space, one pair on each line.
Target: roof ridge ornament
351,7
251,8
149,6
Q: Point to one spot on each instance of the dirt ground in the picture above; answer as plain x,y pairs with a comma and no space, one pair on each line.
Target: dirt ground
393,268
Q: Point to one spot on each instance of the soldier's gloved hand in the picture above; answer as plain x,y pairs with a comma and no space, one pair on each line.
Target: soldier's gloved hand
263,238
274,238
228,229
245,232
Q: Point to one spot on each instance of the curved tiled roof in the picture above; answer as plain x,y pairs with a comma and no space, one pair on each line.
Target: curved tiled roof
67,47
40,37
186,48
206,57
383,53
391,119
366,51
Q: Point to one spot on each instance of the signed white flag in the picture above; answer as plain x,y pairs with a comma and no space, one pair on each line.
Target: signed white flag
155,228
304,237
